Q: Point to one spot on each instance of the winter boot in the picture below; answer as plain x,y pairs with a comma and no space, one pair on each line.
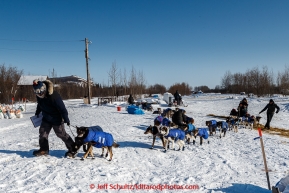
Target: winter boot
275,189
40,152
70,154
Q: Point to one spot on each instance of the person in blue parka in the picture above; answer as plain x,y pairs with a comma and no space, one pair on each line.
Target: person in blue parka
100,138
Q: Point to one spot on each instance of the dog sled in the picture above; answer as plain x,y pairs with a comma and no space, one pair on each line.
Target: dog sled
174,104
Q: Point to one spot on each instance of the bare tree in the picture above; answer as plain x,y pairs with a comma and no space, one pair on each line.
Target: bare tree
141,82
113,75
283,81
132,81
8,82
226,81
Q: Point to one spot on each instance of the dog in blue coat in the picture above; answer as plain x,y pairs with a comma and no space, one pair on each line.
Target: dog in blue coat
202,133
212,124
223,126
97,138
172,135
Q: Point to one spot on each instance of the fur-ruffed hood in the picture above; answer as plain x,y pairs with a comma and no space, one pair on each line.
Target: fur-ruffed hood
49,86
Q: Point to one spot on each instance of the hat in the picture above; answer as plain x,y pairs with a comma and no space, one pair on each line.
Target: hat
39,87
271,100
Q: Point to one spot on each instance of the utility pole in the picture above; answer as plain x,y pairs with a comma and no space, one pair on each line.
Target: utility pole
87,69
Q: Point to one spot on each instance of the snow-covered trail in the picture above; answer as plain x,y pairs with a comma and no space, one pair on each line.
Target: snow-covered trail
230,164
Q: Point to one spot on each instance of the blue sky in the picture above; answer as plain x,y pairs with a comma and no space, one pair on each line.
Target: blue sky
192,41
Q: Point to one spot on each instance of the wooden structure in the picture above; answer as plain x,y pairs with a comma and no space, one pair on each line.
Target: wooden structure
105,100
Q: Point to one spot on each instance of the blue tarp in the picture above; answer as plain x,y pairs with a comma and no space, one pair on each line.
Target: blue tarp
132,109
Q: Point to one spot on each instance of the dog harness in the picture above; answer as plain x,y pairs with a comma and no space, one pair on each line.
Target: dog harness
100,138
176,133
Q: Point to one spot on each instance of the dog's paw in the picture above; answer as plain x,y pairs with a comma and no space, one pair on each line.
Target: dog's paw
165,151
151,147
109,159
106,155
82,159
183,148
101,155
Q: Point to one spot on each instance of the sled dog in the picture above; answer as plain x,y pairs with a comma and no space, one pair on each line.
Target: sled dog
94,137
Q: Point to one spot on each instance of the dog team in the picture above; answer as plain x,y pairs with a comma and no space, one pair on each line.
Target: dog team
175,126
170,126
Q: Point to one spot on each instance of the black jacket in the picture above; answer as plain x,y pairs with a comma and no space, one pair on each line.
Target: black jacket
271,108
177,96
177,117
52,107
130,100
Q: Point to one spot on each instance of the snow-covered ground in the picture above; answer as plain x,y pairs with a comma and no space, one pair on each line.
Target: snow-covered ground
233,164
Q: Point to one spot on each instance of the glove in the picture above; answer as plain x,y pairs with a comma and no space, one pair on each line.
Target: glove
68,124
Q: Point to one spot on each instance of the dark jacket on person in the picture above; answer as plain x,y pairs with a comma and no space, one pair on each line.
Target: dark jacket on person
52,106
243,108
130,100
177,117
271,108
177,96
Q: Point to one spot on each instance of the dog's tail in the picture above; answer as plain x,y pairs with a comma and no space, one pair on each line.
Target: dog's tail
115,145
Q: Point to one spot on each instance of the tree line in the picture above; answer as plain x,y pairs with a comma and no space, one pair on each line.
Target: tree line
257,81
121,82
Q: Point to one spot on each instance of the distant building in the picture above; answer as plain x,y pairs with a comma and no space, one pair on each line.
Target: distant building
70,80
28,80
25,90
24,86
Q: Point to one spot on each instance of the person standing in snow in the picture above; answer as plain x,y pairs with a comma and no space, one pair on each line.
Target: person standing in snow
178,117
130,100
243,107
54,114
178,97
271,106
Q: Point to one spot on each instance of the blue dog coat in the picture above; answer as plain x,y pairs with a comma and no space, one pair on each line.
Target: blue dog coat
176,133
213,122
166,122
191,128
203,133
159,119
225,125
101,138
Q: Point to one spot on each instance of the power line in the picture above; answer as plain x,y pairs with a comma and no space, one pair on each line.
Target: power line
40,50
59,41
